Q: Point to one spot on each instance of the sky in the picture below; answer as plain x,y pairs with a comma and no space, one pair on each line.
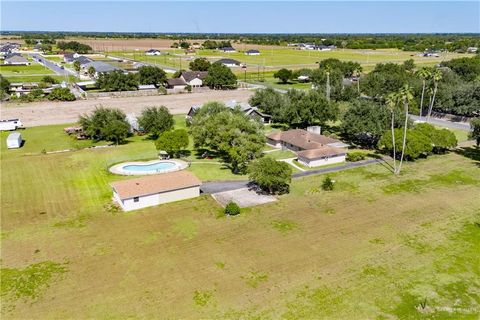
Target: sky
243,17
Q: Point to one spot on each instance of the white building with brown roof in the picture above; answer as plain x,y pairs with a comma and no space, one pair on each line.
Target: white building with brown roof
312,148
156,189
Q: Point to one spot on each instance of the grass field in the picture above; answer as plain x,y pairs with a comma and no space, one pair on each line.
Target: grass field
312,254
33,69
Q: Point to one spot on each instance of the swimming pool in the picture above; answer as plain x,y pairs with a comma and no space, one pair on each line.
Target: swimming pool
148,167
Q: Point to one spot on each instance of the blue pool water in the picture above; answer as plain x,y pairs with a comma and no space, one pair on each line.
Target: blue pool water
158,166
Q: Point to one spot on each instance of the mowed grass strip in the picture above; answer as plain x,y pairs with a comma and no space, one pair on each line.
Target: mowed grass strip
356,251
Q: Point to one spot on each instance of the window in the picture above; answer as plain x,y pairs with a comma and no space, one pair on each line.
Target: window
136,199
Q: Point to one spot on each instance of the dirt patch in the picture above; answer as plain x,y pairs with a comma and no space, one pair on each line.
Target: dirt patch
243,197
46,113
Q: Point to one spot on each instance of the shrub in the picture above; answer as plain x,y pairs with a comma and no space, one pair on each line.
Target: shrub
61,94
232,209
328,184
356,156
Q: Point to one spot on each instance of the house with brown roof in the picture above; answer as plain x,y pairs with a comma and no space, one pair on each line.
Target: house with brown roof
176,84
312,148
155,189
194,78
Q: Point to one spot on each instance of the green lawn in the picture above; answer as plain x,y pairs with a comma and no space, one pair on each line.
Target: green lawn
376,247
17,71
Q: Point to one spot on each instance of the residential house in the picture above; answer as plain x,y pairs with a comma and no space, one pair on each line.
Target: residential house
100,67
16,59
156,189
83,60
325,48
194,78
22,88
472,49
8,48
312,148
176,84
252,52
229,62
227,49
152,52
70,57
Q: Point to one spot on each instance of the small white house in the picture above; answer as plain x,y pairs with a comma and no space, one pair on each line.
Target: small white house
152,52
14,140
155,189
9,125
252,52
321,156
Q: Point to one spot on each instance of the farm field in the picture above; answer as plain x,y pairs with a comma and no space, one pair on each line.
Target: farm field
311,254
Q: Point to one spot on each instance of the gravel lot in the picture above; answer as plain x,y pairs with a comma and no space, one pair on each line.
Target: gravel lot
46,113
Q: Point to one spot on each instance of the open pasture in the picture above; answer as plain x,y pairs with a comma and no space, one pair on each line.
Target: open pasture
378,246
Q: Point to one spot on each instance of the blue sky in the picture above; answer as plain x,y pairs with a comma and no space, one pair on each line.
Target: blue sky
243,17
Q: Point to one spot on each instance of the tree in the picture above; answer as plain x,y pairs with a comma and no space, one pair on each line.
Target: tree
230,133
405,95
424,74
49,80
200,64
173,142
74,46
151,75
270,102
283,75
271,175
91,71
61,94
392,101
156,120
441,139
328,184
366,121
76,67
436,76
416,144
106,124
232,209
220,77
467,68
409,65
4,86
117,81
475,133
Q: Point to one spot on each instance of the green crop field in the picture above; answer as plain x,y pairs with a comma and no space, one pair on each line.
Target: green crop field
376,247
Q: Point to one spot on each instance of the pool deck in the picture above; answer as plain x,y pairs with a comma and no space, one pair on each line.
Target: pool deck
118,168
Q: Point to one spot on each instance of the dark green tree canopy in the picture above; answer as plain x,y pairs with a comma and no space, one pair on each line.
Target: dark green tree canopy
173,142
156,120
283,75
117,81
200,64
74,46
106,124
220,77
271,175
151,75
61,94
270,102
475,133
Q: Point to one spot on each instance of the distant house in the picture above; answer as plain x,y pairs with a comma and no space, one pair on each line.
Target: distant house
325,48
70,57
155,189
83,60
152,52
8,48
22,88
251,112
252,52
16,60
312,148
227,49
472,49
229,62
100,67
146,87
303,78
194,78
10,124
176,84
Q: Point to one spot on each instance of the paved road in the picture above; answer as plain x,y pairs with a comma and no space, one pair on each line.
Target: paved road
444,123
220,186
50,65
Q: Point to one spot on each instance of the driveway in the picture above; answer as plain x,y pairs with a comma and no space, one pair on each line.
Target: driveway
244,197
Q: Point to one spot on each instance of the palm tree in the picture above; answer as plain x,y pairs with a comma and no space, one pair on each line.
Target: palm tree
405,95
436,76
328,69
424,74
358,72
392,100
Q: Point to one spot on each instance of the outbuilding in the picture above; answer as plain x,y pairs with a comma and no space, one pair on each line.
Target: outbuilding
155,189
252,52
321,156
14,140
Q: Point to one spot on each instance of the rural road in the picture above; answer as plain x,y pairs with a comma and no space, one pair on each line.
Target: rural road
220,186
47,112
50,65
444,123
